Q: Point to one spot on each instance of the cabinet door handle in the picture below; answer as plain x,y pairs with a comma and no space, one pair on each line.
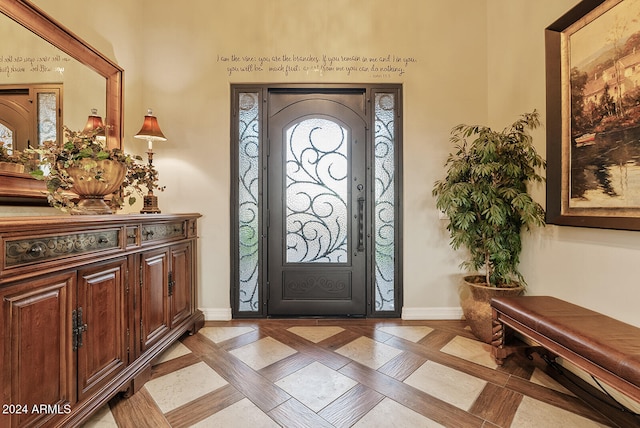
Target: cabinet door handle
170,284
361,223
79,327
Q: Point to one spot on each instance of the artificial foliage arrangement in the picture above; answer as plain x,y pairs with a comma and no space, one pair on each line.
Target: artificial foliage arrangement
5,156
141,178
14,160
485,196
80,171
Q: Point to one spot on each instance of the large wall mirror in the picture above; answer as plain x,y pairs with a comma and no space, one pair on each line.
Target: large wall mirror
45,54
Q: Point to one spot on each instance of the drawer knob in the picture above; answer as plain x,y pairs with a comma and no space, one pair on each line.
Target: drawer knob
35,250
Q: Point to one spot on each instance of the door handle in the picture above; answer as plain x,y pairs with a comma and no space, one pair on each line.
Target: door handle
361,223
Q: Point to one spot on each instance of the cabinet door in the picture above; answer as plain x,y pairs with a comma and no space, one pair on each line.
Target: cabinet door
101,307
154,299
181,278
37,362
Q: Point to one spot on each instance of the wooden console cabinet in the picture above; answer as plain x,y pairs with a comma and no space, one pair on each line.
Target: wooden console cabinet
87,303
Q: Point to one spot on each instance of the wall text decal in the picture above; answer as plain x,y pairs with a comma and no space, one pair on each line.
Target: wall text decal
18,64
377,66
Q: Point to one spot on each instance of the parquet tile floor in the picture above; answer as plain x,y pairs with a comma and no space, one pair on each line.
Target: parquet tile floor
350,373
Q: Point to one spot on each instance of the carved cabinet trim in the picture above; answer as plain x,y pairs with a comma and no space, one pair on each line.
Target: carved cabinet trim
77,292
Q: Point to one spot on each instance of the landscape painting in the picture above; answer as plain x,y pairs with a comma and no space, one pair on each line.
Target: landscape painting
603,54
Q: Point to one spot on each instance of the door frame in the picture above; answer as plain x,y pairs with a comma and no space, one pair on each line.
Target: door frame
260,292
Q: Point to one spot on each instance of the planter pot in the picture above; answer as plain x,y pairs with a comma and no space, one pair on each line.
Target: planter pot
476,304
11,167
92,191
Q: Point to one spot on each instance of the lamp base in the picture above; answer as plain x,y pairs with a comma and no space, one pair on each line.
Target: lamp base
150,205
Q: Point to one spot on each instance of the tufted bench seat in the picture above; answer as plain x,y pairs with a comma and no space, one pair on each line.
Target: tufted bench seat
602,346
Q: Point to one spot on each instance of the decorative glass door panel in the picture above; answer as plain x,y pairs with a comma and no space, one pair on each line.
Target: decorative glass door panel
316,192
317,184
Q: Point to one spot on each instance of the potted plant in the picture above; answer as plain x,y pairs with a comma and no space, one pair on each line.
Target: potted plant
485,197
10,162
81,171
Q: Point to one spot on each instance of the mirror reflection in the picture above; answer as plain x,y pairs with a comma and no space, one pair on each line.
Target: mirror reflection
42,88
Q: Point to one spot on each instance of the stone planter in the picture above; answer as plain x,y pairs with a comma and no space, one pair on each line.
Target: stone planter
476,304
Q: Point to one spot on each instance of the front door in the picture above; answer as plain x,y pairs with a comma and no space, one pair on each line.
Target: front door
316,203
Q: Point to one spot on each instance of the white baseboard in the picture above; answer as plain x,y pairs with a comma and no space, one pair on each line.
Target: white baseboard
451,313
216,314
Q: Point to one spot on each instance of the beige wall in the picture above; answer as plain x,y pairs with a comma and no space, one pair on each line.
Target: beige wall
472,61
596,268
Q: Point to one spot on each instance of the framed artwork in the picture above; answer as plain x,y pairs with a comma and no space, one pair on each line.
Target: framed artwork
593,116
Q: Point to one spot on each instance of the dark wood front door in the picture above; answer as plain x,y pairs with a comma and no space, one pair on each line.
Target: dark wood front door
316,204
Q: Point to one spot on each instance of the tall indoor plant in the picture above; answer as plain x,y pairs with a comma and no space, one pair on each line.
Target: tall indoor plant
484,194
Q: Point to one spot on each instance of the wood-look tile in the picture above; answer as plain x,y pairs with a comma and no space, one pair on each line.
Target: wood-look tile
457,327
485,373
339,340
350,407
207,405
437,339
239,341
317,351
173,365
412,333
138,411
372,332
286,366
518,365
315,333
292,413
416,400
255,387
403,365
496,404
563,401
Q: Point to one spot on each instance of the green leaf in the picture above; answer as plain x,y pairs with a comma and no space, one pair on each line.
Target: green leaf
37,174
102,155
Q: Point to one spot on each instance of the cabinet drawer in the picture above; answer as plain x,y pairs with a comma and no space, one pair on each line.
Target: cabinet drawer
162,232
35,249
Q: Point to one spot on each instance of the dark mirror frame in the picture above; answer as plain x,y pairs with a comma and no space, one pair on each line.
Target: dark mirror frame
16,188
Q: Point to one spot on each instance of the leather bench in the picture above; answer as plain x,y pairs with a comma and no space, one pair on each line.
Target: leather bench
602,346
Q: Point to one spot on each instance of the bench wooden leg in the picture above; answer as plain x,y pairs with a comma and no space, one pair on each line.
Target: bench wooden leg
499,350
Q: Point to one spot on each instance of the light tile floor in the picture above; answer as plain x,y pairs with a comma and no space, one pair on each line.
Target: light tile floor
315,334
241,414
535,414
317,385
262,353
182,386
369,352
389,414
452,386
